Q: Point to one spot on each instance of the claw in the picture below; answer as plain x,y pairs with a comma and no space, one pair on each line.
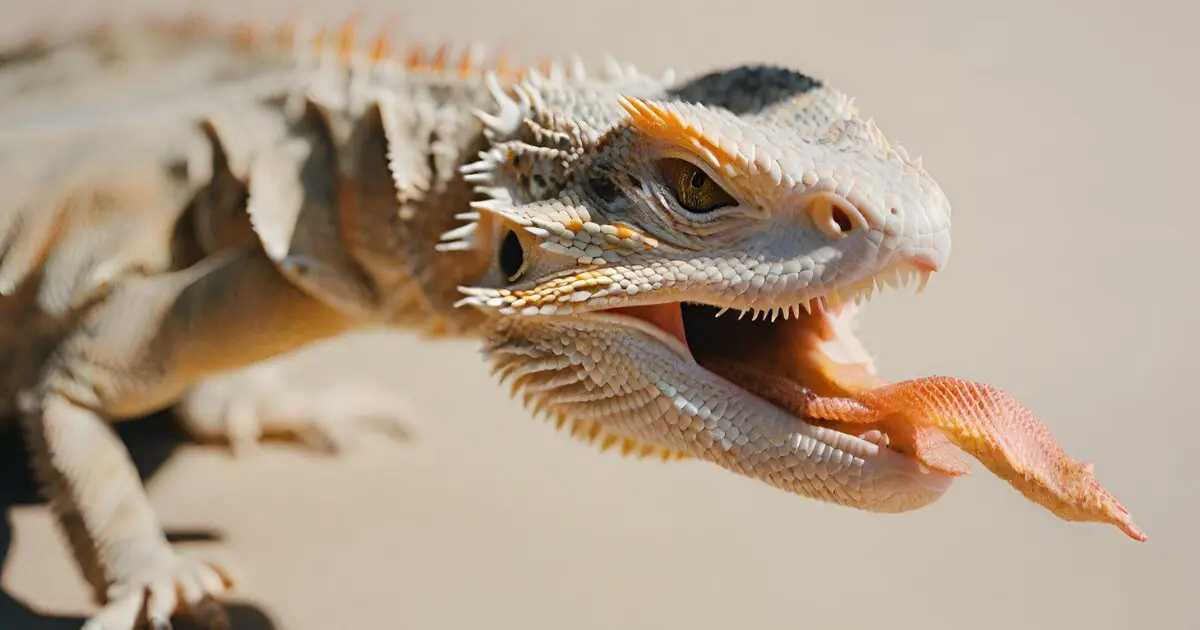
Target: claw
210,614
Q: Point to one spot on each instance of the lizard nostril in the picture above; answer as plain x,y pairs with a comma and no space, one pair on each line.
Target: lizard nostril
835,216
842,219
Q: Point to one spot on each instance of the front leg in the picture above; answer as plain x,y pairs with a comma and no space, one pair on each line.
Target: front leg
322,396
121,548
135,353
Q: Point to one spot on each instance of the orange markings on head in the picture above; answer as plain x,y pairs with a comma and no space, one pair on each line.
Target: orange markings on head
663,123
624,232
669,126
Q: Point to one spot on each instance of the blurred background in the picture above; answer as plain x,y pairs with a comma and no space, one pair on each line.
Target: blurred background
1066,136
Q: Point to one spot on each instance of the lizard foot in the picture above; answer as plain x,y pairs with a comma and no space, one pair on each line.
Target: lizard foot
175,586
247,407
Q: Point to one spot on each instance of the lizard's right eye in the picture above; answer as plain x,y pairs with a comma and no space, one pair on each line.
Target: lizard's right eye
692,187
512,256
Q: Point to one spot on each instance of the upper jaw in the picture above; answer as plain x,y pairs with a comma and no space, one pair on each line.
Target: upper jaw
911,273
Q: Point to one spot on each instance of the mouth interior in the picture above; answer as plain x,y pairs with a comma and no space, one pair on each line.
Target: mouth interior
786,359
778,359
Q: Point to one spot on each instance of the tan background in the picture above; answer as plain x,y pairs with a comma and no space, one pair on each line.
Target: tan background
1066,135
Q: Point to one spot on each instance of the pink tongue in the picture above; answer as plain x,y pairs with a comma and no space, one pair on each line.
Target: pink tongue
927,419
996,430
798,348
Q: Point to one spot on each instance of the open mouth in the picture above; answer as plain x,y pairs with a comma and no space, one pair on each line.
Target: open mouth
787,355
806,363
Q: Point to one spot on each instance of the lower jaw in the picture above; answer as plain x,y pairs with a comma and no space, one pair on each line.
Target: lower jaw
782,363
563,362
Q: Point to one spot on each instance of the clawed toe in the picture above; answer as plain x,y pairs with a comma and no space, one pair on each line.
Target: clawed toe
184,587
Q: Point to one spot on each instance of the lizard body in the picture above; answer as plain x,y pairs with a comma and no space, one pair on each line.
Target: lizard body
584,227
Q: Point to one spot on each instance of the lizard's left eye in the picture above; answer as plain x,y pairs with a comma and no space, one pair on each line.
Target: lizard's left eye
692,187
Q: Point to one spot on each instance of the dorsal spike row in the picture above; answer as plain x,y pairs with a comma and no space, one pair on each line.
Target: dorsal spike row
344,42
299,35
468,62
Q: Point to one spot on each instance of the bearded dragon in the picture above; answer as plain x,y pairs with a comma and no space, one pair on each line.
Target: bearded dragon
602,235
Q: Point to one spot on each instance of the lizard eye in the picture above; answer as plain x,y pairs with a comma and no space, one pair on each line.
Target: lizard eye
512,256
692,187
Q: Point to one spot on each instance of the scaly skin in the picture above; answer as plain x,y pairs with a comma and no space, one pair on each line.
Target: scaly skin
995,429
132,276
759,190
817,204
337,190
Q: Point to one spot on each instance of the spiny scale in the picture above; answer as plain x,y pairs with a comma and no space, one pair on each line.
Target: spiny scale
863,290
593,433
858,293
510,363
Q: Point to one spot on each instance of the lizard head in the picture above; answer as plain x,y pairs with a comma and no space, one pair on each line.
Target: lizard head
625,212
